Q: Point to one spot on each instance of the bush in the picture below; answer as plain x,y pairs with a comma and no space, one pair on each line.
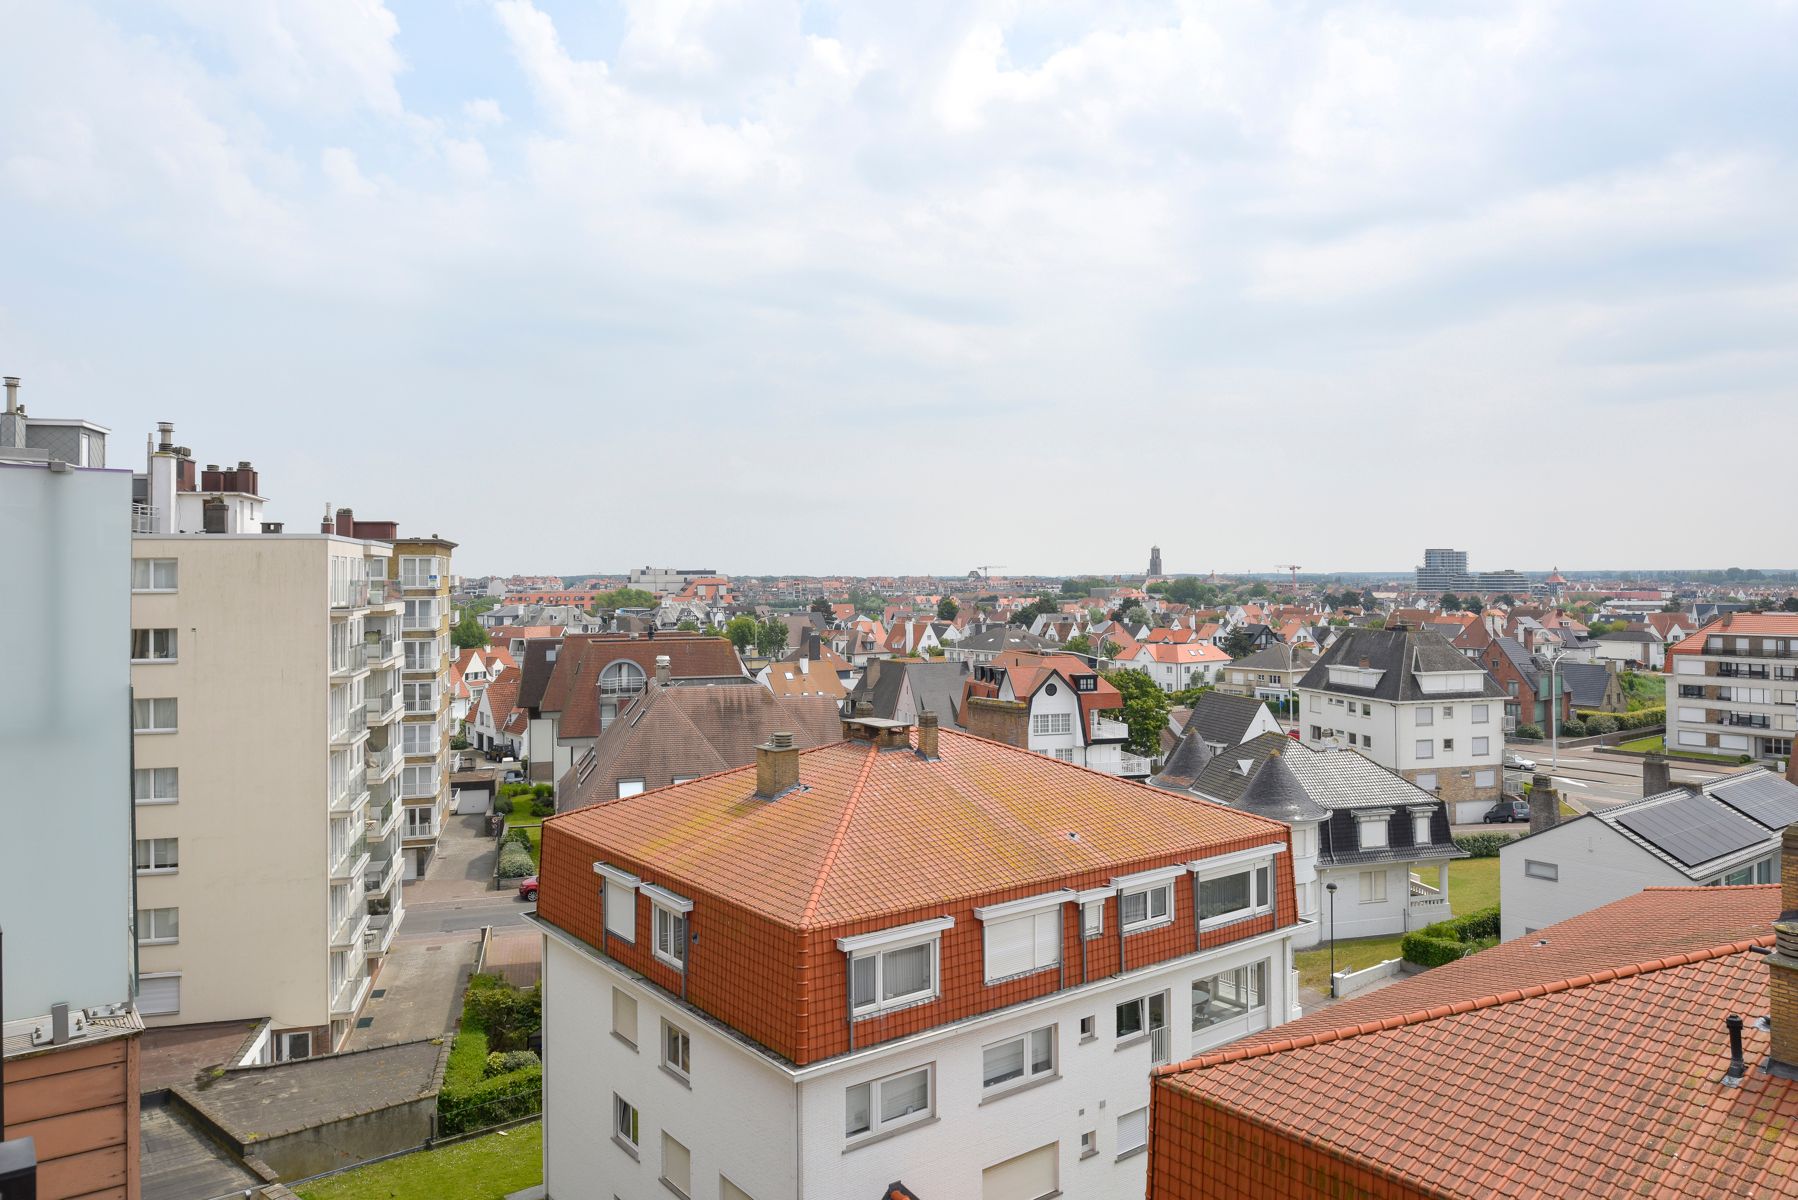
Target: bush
1601,723
515,861
543,807
490,1102
516,789
518,836
1641,718
543,791
504,1062
1573,728
507,1016
1528,733
1446,941
502,805
458,742
1483,845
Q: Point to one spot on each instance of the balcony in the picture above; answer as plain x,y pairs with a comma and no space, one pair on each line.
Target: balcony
417,621
1738,671
350,995
1719,648
349,932
425,788
145,518
382,821
1158,1051
383,762
377,591
1429,909
349,793
383,708
1745,720
417,829
353,864
378,939
352,594
1105,729
378,652
380,877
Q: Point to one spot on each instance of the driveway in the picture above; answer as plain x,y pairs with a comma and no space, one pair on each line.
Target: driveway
418,993
463,865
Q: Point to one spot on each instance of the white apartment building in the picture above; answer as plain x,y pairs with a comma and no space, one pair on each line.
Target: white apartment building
1412,703
1733,687
419,568
974,1031
265,671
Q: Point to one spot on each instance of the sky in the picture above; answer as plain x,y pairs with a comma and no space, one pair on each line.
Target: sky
888,288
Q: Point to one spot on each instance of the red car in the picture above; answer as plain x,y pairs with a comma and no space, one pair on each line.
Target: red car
527,888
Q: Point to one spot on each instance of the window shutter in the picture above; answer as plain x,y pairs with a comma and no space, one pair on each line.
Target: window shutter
1048,938
159,996
1008,947
621,911
1133,1130
1026,1177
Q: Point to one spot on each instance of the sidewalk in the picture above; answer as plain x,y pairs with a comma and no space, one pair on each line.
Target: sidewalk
463,866
418,993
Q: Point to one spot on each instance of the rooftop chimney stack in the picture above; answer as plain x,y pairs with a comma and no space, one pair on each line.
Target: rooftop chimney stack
665,672
1782,964
12,393
1657,775
927,730
165,437
1545,804
776,766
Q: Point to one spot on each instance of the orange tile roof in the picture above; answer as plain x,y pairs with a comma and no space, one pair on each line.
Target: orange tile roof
883,832
1190,652
1601,1083
818,679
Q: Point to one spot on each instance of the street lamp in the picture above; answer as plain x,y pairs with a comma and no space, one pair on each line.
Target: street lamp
1331,888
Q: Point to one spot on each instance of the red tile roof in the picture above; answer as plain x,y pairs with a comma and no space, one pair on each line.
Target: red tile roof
1191,652
573,688
1600,1083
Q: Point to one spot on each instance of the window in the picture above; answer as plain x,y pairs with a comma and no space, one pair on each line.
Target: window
1051,723
1317,733
1545,870
1228,995
418,737
1314,706
1426,780
624,1016
624,1123
1367,741
420,697
1133,1131
1224,898
1147,906
677,1165
1426,716
159,995
671,936
1089,1028
1426,748
1029,1176
621,910
683,779
153,716
890,978
1354,739
158,926
1020,945
157,855
419,780
730,1191
1448,711
1482,745
1375,833
1019,1059
1485,778
677,1050
155,785
1064,754
1511,687
885,1104
1137,1017
1373,887
1092,918
421,653
418,571
420,614
1482,714
629,787
1448,744
1089,1143
623,677
1420,829
154,574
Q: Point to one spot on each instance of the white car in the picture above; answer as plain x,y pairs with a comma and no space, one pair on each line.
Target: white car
1519,762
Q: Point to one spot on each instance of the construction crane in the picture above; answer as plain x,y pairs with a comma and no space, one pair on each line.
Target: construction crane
986,570
1294,568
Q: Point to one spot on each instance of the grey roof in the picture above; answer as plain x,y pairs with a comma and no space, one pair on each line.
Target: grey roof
1277,657
1692,827
1522,660
935,687
1628,635
1228,773
1345,779
1276,792
1223,719
1400,654
1586,681
1005,637
1181,770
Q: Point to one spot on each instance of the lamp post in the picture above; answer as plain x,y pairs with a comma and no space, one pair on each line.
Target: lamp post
1331,888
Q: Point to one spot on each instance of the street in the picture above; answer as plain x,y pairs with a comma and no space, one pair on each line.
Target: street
1591,780
433,918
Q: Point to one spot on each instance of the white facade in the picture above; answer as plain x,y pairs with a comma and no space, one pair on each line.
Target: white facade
1179,674
1738,694
419,577
1448,746
737,1115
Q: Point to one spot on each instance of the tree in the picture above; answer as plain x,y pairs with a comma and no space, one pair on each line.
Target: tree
1132,614
688,626
1079,644
1239,642
624,597
1505,601
1145,709
1042,606
1450,602
1258,590
770,637
1791,604
467,632
741,631
1110,649
947,608
822,605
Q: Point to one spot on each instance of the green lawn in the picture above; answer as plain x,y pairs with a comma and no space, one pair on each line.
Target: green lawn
1658,745
1472,885
483,1168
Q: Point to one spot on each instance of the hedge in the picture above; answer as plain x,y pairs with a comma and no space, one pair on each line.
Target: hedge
1527,733
1642,718
1483,845
489,1102
1446,941
515,861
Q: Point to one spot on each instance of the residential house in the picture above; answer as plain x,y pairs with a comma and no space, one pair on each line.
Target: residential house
1732,687
1724,831
1176,666
496,725
899,691
803,677
1223,719
1414,704
1530,688
1267,674
1594,687
1602,1045
1054,704
928,963
69,1041
1641,649
1383,841
677,734
1673,628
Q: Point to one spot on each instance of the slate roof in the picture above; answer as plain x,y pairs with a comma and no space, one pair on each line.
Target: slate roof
1587,682
1277,657
1603,1082
1521,659
1004,638
1223,718
1276,792
935,687
573,688
1181,770
1400,654
1227,773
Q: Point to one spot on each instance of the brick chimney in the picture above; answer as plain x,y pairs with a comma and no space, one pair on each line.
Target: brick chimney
1657,775
1005,721
1545,804
776,766
927,729
1782,964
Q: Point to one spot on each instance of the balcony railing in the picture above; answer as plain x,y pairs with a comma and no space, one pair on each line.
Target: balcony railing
377,591
384,707
382,820
347,793
1738,671
378,650
350,994
349,932
416,789
380,877
1745,720
378,938
1430,908
1158,1052
381,762
352,864
415,828
1721,649
353,594
420,620
145,518
1106,728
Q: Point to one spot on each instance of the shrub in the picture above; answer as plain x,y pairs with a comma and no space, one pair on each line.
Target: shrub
502,805
515,861
1483,845
1573,728
1528,733
518,836
458,742
516,789
543,790
543,807
490,1101
1641,718
1601,723
504,1062
1445,941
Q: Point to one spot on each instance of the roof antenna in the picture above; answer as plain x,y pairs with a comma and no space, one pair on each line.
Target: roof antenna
1733,1076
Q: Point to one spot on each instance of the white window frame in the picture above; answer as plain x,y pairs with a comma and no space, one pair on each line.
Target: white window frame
159,1012
1426,715
627,1131
156,865
1485,777
1420,829
147,923
1258,972
629,787
156,703
679,1063
669,925
1426,748
153,568
1379,824
878,1125
1482,745
878,945
1031,1072
1429,786
621,1000
1482,714
1132,1116
1370,894
1260,875
1092,911
1536,869
147,785
620,890
1036,918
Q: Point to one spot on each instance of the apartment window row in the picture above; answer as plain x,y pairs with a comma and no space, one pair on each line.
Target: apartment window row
155,574
1045,724
1481,714
676,1165
153,715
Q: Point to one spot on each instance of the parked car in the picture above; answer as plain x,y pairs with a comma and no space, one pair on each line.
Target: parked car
512,777
1504,812
1519,762
527,887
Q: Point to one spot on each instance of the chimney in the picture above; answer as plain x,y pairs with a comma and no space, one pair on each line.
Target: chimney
665,672
776,766
346,523
927,727
1782,964
215,515
12,393
1545,804
12,423
1657,775
165,437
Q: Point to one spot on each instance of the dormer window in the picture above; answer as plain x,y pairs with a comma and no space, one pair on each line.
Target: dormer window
1420,826
1374,828
894,968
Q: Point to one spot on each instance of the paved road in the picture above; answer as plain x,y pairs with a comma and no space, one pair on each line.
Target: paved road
1593,780
430,919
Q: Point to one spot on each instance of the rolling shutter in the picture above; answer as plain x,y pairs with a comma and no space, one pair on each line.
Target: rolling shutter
158,995
1026,1177
1023,944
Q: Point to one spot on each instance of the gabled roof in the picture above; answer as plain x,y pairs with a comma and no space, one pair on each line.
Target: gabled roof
1587,682
1224,719
935,687
1005,637
1182,652
1277,657
1702,831
872,833
1400,655
573,684
804,678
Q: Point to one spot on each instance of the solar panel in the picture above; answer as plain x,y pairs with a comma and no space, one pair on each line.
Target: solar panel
1693,829
1763,796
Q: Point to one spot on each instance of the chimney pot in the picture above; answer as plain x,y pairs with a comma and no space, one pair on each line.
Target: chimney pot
665,672
927,735
1657,775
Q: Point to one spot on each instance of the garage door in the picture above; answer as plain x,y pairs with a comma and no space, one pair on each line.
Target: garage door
1026,1177
158,995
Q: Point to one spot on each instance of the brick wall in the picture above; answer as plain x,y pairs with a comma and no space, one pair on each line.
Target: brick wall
1005,721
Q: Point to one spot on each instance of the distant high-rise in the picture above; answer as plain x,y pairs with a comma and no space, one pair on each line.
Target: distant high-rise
1446,571
1154,560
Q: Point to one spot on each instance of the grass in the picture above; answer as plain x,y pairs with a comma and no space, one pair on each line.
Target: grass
1658,745
1472,885
1643,690
483,1168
